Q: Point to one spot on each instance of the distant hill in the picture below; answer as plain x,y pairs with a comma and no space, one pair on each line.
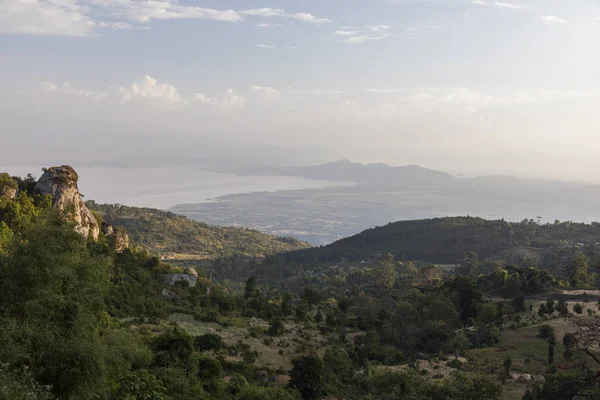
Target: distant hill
162,232
344,170
444,240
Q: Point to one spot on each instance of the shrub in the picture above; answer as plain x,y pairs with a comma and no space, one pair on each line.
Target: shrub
578,308
545,331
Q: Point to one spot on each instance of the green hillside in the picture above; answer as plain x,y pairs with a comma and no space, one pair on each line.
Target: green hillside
162,232
445,240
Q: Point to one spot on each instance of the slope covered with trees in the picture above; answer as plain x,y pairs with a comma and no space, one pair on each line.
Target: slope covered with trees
445,240
163,232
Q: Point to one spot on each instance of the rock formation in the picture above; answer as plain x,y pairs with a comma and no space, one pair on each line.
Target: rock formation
61,184
190,276
118,235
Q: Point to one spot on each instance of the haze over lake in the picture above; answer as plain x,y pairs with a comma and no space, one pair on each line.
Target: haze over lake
165,187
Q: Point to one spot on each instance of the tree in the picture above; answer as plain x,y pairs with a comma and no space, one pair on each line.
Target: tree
550,306
469,264
385,275
276,327
506,364
52,292
561,308
250,288
140,384
519,304
459,343
311,296
430,273
307,376
580,271
208,342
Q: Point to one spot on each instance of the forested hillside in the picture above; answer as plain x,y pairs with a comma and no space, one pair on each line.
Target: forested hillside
162,232
445,240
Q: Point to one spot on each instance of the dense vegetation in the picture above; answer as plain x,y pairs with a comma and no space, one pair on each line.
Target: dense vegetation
81,320
164,233
445,240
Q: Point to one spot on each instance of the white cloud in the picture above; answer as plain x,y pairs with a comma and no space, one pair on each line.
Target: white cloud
365,38
228,100
265,89
348,103
552,20
70,89
378,28
309,18
83,17
266,46
500,4
369,33
45,17
149,88
345,33
264,12
290,47
146,11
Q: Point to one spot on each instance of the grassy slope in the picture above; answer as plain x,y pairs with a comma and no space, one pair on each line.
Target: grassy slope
162,232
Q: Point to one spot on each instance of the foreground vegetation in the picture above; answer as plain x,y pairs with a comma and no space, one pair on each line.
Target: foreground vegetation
81,320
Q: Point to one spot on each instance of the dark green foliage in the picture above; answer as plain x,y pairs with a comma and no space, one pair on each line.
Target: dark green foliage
208,342
140,385
445,240
545,331
209,369
276,327
173,348
578,308
306,376
311,297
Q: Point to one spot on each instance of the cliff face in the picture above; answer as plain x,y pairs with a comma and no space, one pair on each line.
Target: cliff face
61,184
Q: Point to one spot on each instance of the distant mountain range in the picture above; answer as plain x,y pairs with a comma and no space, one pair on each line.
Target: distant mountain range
410,176
382,193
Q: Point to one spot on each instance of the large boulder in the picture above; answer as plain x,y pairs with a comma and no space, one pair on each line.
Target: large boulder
61,184
190,276
118,235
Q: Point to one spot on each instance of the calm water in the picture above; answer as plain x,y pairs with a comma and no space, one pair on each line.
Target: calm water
165,187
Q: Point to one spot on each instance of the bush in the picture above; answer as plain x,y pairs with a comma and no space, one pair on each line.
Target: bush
208,342
545,331
456,364
578,308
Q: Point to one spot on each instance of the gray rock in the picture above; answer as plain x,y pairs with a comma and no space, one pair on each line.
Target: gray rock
107,228
61,184
121,240
173,278
168,294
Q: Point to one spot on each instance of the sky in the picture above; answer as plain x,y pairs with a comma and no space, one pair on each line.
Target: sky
466,86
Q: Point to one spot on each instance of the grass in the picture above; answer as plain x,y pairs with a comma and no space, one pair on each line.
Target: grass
268,355
520,345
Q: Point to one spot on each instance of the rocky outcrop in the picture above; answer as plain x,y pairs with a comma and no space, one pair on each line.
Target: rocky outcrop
119,237
190,276
8,187
121,240
61,184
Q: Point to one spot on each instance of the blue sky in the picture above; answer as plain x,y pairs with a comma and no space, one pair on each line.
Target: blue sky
433,82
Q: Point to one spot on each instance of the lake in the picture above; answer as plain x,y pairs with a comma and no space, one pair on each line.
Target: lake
165,187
